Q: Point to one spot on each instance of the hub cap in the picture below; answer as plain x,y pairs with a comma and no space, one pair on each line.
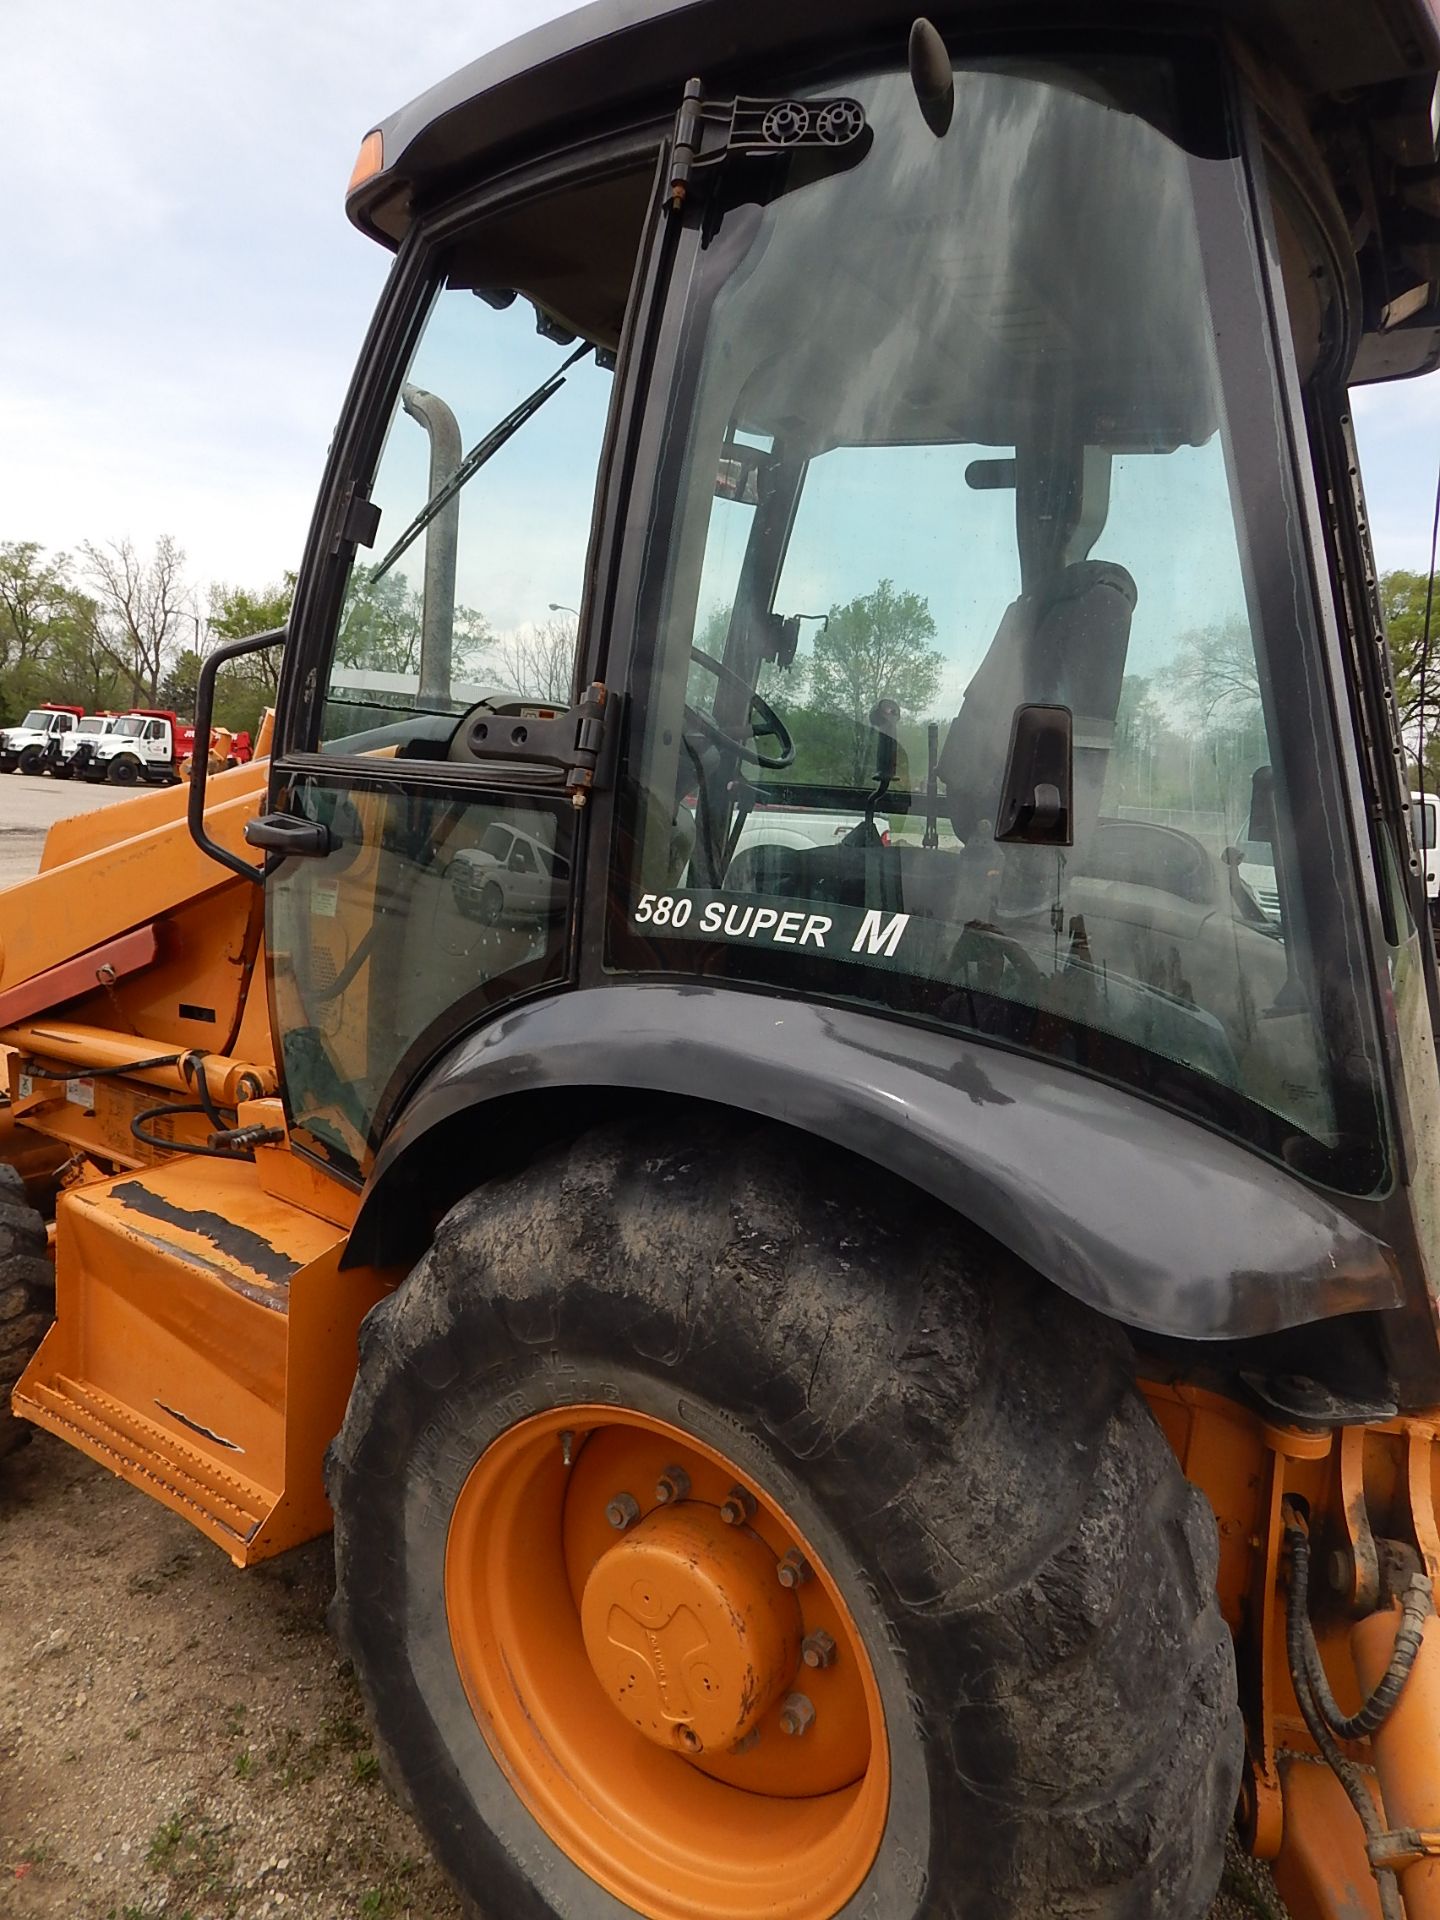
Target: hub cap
688,1629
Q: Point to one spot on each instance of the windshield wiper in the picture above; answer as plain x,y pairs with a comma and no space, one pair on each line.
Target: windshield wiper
482,451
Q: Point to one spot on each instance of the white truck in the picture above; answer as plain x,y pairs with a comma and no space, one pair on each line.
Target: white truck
27,746
78,746
143,747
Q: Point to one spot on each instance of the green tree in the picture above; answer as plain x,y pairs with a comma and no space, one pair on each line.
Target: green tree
1404,598
35,594
246,687
876,647
236,612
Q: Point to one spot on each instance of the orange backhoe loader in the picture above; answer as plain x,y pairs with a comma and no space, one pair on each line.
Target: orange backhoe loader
801,1091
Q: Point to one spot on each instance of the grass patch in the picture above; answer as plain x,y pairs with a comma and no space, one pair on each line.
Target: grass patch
191,1850
298,1761
364,1768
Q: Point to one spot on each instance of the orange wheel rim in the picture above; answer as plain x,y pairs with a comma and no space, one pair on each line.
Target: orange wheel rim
665,1672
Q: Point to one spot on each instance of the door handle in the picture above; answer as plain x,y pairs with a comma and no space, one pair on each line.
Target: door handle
289,835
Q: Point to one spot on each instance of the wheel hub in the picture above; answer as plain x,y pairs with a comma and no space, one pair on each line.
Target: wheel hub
689,1630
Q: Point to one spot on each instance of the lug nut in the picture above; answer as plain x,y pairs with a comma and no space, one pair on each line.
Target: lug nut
688,1738
818,1649
738,1507
797,1715
673,1485
794,1569
623,1511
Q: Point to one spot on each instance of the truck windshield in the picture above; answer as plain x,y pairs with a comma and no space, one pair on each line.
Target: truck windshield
951,436
131,727
37,720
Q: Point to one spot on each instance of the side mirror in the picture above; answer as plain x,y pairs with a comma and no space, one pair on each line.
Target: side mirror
885,720
1262,807
200,766
742,473
1037,797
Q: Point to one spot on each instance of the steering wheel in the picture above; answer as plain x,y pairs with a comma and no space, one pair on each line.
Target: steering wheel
987,956
767,723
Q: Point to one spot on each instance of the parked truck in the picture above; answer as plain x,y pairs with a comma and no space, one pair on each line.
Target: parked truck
78,745
34,743
152,746
885,1372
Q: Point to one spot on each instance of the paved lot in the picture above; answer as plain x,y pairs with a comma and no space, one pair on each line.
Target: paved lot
30,804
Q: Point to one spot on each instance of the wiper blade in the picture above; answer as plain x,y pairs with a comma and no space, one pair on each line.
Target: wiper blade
482,451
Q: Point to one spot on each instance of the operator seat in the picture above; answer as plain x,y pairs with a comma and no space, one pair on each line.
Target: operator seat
1064,647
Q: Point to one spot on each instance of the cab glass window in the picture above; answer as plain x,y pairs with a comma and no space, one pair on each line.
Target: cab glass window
953,442
486,479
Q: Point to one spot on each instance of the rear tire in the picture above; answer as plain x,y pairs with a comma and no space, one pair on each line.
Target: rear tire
1031,1577
491,905
27,1296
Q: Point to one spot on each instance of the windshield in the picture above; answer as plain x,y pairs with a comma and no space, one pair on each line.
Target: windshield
131,727
92,723
954,442
37,719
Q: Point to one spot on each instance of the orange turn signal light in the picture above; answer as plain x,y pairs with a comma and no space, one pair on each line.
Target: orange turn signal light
369,160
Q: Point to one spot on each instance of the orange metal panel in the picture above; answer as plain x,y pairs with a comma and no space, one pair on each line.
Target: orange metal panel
136,880
1322,1872
99,966
1407,1747
204,1347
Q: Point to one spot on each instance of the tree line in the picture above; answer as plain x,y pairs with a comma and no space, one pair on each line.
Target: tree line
109,627
1187,747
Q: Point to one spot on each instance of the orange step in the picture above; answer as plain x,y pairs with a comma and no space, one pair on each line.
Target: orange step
204,1347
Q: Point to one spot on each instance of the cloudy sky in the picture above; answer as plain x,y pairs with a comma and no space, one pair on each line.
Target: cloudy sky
183,296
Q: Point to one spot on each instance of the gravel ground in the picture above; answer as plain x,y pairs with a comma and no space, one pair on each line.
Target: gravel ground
176,1737
178,1740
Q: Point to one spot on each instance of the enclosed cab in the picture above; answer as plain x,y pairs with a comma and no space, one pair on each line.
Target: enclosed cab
883,1260
36,741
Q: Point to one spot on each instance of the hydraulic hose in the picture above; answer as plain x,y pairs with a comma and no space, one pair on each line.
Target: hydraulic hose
1304,1659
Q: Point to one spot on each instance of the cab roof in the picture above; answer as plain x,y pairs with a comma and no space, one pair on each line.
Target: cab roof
621,58
619,63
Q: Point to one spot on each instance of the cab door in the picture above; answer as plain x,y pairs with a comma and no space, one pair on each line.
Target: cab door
445,582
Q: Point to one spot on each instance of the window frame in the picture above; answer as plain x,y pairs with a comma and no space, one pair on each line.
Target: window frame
394,333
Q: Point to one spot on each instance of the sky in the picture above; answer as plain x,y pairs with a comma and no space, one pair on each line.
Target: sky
184,298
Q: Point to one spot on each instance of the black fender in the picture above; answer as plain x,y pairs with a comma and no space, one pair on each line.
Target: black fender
1143,1214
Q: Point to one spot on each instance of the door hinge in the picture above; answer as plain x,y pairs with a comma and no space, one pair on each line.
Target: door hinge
708,133
358,522
546,746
